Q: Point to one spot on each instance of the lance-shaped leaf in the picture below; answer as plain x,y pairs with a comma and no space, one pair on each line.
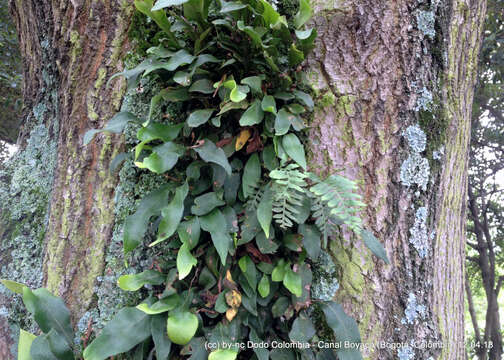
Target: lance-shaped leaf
203,86
304,14
268,104
253,115
293,282
166,304
189,232
161,4
205,203
251,176
211,153
249,271
24,345
374,245
223,354
311,240
215,223
136,224
345,330
265,210
127,329
162,343
302,330
255,83
172,214
296,56
163,158
282,122
199,117
294,149
115,125
49,311
185,261
264,286
13,286
134,282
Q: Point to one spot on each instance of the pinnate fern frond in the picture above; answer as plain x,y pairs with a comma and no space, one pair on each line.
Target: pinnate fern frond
289,188
336,203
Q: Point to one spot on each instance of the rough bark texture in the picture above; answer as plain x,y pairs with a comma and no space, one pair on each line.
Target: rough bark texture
380,67
77,44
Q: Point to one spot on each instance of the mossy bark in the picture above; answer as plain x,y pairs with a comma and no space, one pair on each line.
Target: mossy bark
82,42
387,65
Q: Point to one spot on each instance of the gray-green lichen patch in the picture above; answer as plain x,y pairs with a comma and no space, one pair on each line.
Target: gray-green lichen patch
25,190
134,184
415,169
425,23
425,100
418,233
325,283
406,353
414,311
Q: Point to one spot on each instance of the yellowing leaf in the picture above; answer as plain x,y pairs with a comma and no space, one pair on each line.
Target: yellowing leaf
242,139
233,299
229,277
231,313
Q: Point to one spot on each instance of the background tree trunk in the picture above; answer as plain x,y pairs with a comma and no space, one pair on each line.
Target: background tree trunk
378,68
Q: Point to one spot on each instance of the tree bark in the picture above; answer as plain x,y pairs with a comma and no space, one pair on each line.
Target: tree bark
374,68
70,49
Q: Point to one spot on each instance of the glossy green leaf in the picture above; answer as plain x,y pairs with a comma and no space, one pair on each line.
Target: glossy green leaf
304,14
181,327
211,153
189,232
115,125
345,330
13,286
280,306
251,176
136,224
228,6
134,282
199,117
293,282
266,245
264,286
278,273
304,98
49,311
161,4
24,344
203,86
223,354
306,41
294,149
163,158
374,245
40,349
161,306
215,223
172,214
159,16
182,78
248,269
128,328
255,83
185,261
265,210
268,104
253,115
175,95
181,57
302,330
205,203
282,122
162,343
311,240
296,56
228,106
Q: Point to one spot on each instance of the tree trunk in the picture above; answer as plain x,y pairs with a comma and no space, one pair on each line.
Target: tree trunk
378,68
70,49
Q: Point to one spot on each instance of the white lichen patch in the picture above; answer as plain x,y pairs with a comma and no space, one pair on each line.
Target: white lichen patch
414,311
425,23
325,283
406,353
424,100
417,140
415,170
419,236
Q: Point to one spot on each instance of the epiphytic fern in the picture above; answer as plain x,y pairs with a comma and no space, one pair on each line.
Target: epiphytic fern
335,203
288,194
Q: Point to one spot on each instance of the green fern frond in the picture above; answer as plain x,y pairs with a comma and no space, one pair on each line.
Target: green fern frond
255,194
336,203
289,191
